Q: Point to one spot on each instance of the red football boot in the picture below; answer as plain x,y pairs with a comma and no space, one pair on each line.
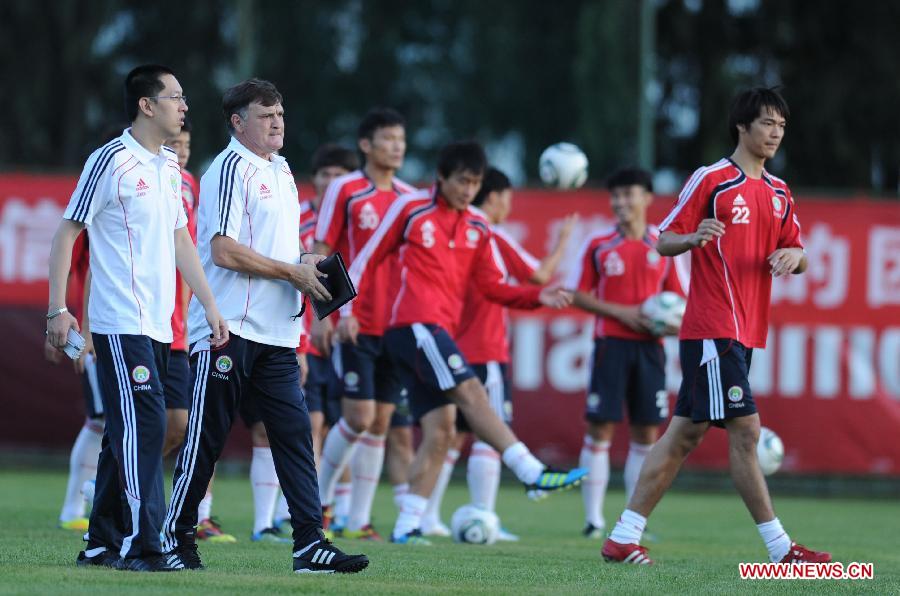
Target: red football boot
801,554
613,552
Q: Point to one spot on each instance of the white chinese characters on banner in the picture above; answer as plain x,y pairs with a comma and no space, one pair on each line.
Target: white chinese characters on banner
26,233
826,279
884,266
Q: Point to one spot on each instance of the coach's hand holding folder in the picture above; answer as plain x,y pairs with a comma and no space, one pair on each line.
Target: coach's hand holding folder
337,283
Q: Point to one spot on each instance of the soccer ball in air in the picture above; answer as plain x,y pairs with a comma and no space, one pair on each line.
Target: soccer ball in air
663,309
769,451
563,165
474,525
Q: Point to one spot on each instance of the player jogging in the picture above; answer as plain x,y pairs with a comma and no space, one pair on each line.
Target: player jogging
483,337
617,269
740,224
350,212
247,233
442,244
129,198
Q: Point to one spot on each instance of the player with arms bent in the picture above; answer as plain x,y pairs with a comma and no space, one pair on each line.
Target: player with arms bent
740,224
617,269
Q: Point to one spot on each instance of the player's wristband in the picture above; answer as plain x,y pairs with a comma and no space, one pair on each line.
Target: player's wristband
56,313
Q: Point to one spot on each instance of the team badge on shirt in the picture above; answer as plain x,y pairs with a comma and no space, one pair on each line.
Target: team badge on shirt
735,394
224,364
653,257
174,182
140,374
472,237
777,206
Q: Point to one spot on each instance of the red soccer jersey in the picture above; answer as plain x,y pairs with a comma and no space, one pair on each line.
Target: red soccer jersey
350,212
308,215
483,332
189,193
623,271
730,280
439,250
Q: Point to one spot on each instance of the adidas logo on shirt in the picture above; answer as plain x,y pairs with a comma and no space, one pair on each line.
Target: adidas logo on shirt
739,201
264,192
141,188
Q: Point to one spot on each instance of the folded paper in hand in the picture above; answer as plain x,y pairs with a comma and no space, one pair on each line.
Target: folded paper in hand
337,283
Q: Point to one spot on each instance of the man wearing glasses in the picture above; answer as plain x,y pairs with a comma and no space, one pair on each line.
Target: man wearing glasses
129,198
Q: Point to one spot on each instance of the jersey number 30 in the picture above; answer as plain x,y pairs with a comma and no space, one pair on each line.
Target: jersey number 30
741,215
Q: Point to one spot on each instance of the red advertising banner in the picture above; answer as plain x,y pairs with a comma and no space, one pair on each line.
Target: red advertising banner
828,382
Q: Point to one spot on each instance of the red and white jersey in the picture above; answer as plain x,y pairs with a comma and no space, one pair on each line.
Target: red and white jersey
730,280
179,326
439,249
350,212
483,332
626,271
308,216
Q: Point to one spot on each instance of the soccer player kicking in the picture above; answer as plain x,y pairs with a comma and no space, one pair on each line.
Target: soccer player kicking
740,224
617,269
129,197
442,244
483,337
350,212
247,233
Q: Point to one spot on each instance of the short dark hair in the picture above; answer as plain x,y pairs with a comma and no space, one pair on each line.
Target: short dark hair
461,156
332,154
143,81
493,181
187,126
747,105
237,99
630,177
378,118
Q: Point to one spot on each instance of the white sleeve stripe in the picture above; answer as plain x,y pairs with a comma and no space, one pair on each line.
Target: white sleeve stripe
359,263
87,194
498,259
329,201
689,189
526,256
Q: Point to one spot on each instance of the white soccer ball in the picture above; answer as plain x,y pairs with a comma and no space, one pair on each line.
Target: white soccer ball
769,451
474,525
664,309
563,165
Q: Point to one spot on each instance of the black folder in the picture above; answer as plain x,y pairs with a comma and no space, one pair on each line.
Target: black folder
337,283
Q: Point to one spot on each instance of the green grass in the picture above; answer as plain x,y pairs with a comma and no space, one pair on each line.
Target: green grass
702,537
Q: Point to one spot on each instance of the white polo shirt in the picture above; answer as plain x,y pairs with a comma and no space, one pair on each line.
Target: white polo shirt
255,202
130,201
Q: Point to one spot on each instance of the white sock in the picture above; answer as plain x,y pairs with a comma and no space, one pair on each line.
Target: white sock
336,453
400,491
776,539
637,453
365,469
524,465
629,528
342,501
264,482
594,457
82,467
432,516
281,509
410,518
483,475
204,510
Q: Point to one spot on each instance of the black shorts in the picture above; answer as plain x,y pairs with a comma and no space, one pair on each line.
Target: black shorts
495,378
178,382
715,383
428,363
628,373
323,388
90,387
367,370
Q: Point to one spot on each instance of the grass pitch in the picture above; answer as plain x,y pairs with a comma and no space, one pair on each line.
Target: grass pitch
702,538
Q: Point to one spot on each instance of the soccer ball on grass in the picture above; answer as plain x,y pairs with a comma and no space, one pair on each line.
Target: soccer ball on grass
474,525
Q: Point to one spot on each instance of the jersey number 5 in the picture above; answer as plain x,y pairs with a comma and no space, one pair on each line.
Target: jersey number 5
741,215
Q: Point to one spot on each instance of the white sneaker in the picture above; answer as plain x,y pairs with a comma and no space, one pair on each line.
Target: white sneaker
505,536
434,528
